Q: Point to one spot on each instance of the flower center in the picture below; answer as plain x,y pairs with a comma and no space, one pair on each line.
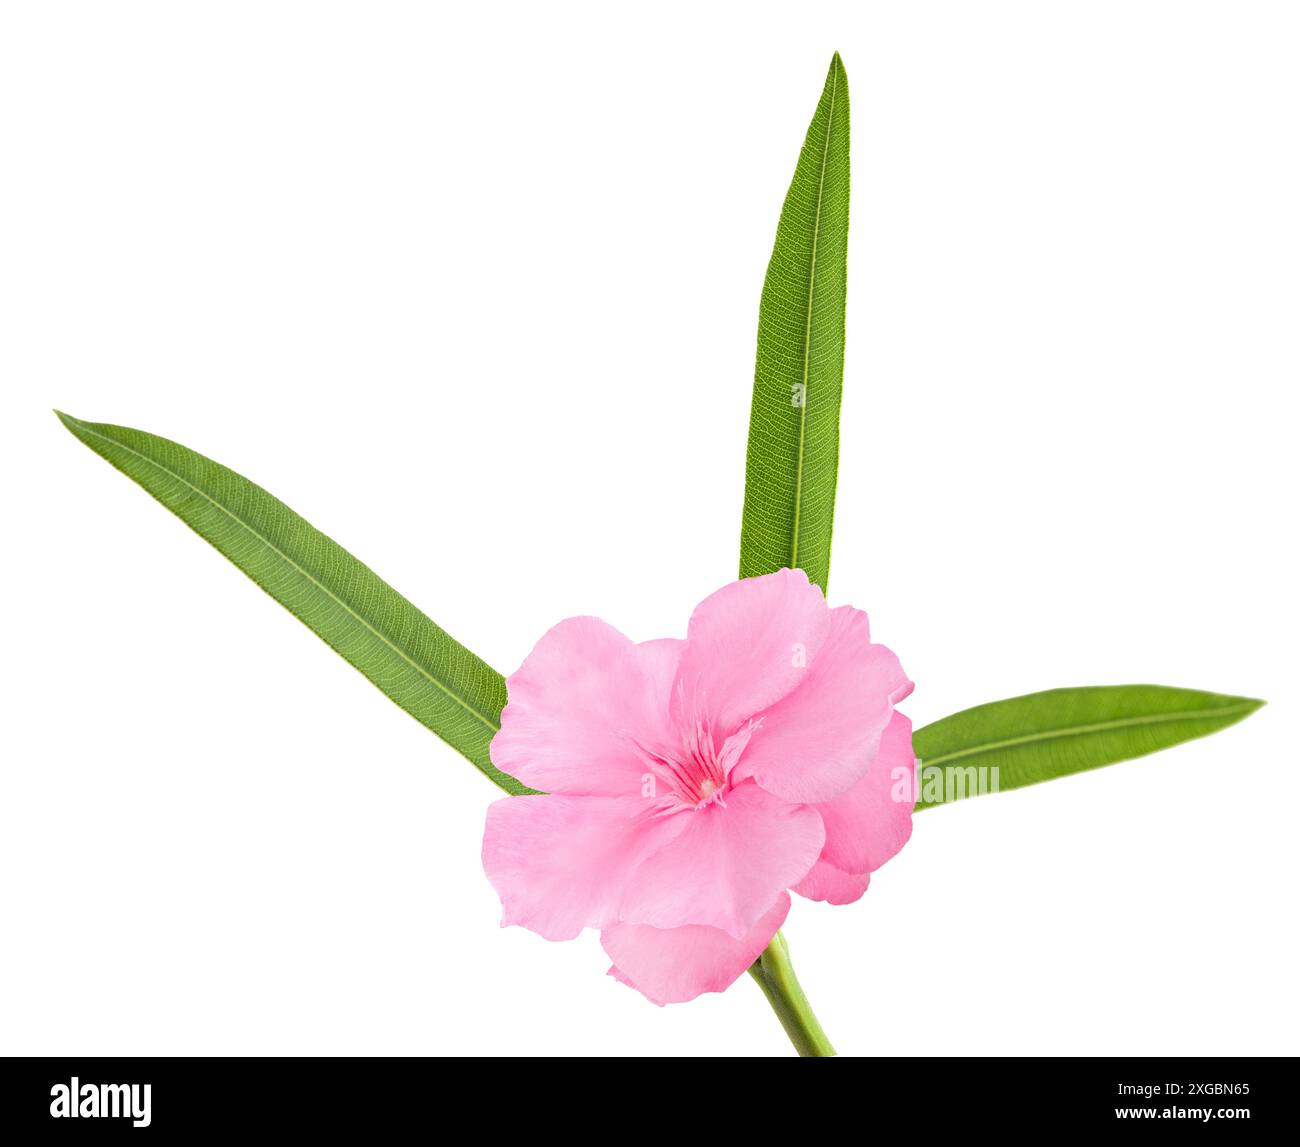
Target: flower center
697,772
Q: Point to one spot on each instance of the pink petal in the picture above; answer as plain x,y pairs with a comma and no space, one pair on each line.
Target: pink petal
672,965
866,825
660,660
583,691
833,885
748,645
727,865
818,741
559,863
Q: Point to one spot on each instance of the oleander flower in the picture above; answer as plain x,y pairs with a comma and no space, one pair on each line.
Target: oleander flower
690,783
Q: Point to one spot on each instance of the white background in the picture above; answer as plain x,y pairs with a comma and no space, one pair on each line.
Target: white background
474,288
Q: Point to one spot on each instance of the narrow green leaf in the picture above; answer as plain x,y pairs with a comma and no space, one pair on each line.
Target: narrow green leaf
794,421
1045,735
362,618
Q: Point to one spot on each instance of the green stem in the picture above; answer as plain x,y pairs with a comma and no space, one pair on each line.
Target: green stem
775,975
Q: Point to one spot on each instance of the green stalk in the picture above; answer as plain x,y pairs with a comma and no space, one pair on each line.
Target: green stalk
775,975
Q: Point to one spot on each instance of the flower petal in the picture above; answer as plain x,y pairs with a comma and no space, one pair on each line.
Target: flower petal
727,864
583,691
660,661
866,825
833,885
748,645
672,965
559,863
819,740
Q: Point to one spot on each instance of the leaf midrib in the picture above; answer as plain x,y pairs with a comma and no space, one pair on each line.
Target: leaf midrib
1095,727
259,536
807,332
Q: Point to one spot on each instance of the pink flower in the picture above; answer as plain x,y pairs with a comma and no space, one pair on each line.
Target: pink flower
691,783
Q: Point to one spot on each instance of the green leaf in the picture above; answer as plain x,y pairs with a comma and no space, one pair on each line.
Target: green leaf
362,618
794,422
1045,735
